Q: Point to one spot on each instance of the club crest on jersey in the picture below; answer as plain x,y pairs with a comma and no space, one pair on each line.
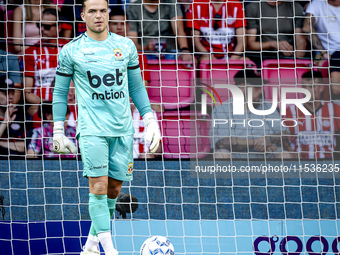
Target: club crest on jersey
130,168
118,53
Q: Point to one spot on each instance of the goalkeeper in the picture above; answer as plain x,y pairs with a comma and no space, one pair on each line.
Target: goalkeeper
105,70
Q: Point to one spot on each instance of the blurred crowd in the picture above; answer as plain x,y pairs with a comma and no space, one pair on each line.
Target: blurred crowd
191,31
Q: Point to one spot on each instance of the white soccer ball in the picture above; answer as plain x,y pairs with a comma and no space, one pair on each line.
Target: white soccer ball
157,245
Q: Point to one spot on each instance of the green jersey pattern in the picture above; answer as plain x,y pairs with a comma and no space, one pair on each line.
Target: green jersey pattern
99,72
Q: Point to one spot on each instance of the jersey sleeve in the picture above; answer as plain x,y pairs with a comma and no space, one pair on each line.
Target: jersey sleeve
194,21
299,15
65,64
313,8
29,62
133,58
137,89
173,10
189,18
62,84
252,14
240,18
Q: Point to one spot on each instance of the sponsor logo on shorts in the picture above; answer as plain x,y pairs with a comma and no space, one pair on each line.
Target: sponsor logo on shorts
130,168
98,167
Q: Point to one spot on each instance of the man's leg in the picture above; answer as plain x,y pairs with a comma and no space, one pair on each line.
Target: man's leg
99,211
120,167
114,187
113,191
94,152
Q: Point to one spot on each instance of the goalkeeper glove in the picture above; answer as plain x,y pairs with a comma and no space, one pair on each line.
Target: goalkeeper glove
61,143
153,133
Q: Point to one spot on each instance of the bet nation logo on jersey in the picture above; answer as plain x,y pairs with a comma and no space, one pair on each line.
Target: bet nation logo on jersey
108,80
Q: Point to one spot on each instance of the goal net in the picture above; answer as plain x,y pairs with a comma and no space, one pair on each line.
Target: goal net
246,97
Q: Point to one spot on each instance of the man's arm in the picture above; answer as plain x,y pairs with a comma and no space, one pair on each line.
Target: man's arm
197,42
17,29
235,143
15,75
177,26
137,90
301,43
30,97
239,48
63,78
18,146
61,143
283,46
140,98
252,16
252,44
308,27
59,103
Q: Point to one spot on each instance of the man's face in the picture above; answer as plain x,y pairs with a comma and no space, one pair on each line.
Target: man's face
96,15
49,27
118,25
315,88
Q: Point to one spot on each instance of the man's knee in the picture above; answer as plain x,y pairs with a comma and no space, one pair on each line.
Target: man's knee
98,186
113,192
114,188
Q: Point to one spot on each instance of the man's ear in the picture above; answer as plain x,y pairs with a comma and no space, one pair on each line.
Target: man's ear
82,16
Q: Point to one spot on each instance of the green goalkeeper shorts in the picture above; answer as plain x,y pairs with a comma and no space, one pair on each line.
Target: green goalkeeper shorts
112,156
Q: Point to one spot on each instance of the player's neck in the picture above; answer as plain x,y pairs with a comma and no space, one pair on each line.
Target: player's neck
218,5
97,36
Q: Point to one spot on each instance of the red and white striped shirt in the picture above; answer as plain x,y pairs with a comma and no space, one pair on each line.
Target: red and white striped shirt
313,136
218,28
41,64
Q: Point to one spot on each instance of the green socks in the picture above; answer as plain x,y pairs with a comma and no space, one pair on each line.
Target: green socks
99,213
111,205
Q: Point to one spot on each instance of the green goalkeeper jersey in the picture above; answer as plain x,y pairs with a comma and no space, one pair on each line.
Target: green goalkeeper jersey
99,70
